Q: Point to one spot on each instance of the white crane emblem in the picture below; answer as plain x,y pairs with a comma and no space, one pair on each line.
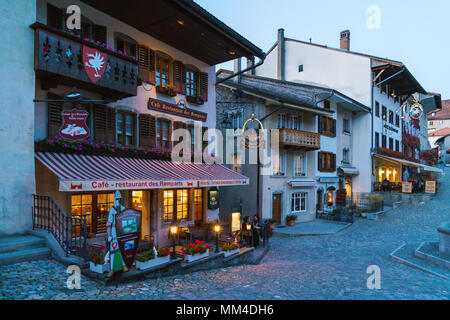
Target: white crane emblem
95,63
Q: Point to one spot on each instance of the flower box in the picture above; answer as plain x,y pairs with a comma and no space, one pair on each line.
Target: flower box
99,268
195,100
191,258
230,252
152,263
166,91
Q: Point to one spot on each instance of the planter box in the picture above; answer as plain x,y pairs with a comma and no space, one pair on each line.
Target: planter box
99,268
230,253
152,263
170,93
191,258
194,100
290,223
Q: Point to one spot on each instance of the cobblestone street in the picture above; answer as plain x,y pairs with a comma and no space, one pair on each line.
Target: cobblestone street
325,267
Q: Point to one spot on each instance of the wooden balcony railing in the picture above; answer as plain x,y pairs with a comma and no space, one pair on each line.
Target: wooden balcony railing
291,138
59,60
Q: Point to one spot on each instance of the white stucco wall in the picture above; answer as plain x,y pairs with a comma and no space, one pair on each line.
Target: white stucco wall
16,115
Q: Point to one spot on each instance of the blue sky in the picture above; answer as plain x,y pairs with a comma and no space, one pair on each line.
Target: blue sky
415,32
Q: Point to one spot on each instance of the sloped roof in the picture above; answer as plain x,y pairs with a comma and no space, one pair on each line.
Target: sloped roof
441,114
440,133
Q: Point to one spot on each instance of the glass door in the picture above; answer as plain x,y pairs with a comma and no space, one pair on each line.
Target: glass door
104,202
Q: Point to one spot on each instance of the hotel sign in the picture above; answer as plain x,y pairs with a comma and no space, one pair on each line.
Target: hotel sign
171,108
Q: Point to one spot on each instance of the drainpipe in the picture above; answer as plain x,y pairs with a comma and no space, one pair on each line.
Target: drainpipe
281,55
242,71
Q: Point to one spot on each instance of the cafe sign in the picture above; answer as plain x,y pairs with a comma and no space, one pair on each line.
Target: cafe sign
213,199
176,110
407,187
74,125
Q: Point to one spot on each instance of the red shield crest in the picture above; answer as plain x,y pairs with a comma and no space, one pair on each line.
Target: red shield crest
94,63
74,125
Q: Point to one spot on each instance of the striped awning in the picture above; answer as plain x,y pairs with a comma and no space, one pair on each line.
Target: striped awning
96,173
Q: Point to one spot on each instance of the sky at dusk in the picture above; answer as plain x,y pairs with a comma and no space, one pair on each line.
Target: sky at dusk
415,32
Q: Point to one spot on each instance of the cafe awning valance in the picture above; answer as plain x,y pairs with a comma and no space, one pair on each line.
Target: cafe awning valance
410,163
78,172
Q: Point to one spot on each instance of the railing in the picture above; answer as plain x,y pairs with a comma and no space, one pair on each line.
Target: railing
61,57
300,139
70,233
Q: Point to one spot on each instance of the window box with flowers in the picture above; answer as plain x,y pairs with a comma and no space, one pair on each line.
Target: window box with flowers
167,89
152,258
195,251
198,100
230,249
97,262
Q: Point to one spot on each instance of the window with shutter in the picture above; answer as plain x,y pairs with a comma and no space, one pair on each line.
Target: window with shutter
179,76
327,126
163,133
326,161
319,161
146,62
203,85
99,33
147,130
204,143
54,110
104,123
54,17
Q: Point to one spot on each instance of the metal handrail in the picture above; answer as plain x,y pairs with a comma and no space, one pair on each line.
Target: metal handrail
70,233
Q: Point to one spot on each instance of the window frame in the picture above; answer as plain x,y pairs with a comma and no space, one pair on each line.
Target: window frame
346,154
304,165
299,195
161,59
159,141
124,115
282,166
195,81
347,130
174,204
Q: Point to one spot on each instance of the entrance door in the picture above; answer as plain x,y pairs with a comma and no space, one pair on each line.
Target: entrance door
198,204
319,200
276,208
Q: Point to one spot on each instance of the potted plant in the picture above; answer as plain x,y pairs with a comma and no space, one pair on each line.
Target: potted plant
195,251
230,249
152,258
97,260
290,220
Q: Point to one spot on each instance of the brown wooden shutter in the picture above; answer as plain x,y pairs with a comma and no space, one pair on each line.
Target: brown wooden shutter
54,110
334,127
203,85
54,17
104,123
320,124
179,76
146,61
99,33
333,162
319,162
147,130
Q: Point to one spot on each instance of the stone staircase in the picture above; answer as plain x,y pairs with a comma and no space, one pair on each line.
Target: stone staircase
16,249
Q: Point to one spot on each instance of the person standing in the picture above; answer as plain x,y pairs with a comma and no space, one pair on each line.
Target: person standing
256,228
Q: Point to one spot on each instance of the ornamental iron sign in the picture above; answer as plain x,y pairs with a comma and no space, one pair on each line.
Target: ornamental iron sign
74,125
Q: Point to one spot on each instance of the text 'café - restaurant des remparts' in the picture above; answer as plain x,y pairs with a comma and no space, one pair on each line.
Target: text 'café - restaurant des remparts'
137,78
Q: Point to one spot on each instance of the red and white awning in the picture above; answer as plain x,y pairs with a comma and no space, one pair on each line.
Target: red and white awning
96,173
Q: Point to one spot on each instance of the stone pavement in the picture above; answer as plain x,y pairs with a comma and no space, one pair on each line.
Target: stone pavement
313,228
324,267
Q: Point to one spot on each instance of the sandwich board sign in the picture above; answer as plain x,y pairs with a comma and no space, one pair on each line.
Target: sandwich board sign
430,187
128,229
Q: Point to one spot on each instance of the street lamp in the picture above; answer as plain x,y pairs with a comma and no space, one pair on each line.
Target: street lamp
173,233
217,230
248,226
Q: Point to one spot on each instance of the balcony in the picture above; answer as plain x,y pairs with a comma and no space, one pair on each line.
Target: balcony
295,139
62,58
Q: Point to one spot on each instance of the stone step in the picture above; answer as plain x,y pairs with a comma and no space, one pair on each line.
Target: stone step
17,243
24,255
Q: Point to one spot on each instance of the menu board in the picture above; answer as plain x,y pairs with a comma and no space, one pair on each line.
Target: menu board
430,187
407,187
128,229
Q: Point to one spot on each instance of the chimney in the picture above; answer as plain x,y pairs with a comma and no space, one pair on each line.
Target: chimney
345,40
281,55
237,68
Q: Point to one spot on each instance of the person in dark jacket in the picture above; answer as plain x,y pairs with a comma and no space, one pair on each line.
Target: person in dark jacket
256,229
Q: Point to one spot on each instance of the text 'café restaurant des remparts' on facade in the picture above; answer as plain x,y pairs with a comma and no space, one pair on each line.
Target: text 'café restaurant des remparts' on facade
141,76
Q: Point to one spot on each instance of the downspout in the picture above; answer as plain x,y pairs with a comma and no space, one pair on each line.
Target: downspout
242,71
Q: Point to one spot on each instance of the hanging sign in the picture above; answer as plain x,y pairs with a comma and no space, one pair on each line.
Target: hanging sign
94,63
128,229
170,108
213,199
74,125
430,187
